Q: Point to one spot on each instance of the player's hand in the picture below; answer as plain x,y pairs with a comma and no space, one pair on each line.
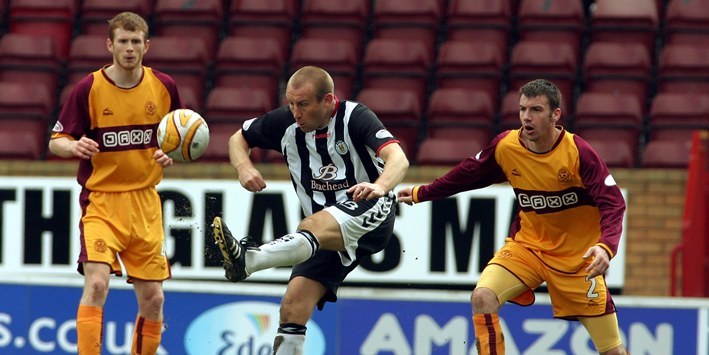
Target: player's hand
366,191
600,263
406,196
251,179
84,148
162,158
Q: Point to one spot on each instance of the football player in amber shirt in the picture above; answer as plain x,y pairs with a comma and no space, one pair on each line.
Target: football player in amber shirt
568,227
110,122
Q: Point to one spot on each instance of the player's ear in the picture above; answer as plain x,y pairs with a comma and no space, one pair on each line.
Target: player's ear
147,46
556,114
329,98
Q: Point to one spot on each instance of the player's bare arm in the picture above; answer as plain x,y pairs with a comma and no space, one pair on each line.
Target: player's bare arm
600,263
249,176
396,165
64,147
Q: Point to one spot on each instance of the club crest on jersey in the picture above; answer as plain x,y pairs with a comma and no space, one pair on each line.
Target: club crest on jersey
341,147
150,108
564,176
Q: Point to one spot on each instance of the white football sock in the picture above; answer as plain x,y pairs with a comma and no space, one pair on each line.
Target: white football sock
287,250
290,339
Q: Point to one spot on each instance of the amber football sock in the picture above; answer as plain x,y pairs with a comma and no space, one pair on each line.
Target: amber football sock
488,334
89,329
146,336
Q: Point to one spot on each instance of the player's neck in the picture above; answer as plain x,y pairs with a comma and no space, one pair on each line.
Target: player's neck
545,143
124,78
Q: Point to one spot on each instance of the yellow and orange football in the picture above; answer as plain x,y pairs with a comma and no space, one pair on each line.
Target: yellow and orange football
183,135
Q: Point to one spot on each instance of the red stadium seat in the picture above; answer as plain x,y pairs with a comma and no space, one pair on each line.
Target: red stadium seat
486,21
608,110
615,153
54,18
509,111
201,19
552,61
679,110
250,62
96,13
397,64
218,148
624,140
30,59
25,100
190,99
470,64
228,104
627,21
460,113
400,112
447,151
183,58
264,19
339,58
87,54
687,22
684,68
409,20
623,68
25,112
666,154
341,20
552,20
604,115
23,139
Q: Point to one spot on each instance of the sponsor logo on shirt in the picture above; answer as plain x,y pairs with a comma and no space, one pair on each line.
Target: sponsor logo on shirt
326,180
552,201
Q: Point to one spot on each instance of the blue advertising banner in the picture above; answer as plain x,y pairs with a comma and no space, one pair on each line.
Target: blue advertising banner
242,319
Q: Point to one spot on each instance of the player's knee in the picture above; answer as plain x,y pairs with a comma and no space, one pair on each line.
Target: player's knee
289,309
96,289
308,223
151,304
484,301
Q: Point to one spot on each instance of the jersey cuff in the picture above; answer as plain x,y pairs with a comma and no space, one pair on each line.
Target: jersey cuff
414,194
607,249
386,144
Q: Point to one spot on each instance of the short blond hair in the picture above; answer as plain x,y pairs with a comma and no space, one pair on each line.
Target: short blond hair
128,21
319,78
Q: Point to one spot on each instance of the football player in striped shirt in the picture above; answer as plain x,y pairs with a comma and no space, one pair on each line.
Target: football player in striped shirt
568,227
109,121
344,164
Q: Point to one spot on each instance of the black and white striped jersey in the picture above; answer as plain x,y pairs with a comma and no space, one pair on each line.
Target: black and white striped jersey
324,163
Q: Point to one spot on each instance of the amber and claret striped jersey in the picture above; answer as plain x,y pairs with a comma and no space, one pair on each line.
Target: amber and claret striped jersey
324,163
123,122
567,198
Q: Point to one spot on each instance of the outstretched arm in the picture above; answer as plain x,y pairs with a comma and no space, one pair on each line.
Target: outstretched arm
249,176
